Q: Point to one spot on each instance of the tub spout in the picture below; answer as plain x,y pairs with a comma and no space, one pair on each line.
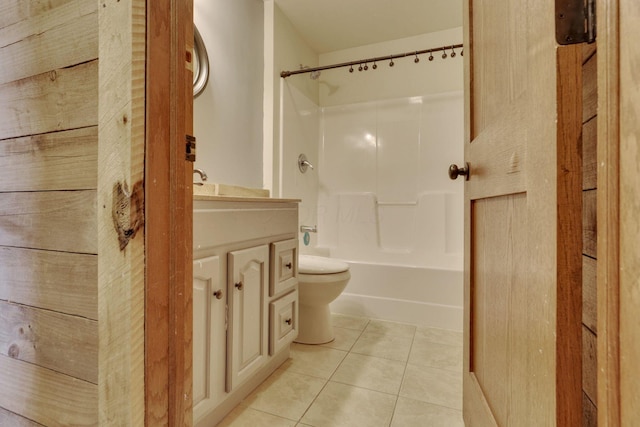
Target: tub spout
202,174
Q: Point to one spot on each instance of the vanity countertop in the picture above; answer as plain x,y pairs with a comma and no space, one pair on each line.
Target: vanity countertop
234,193
243,199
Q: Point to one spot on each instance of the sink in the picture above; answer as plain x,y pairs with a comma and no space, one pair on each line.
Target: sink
211,189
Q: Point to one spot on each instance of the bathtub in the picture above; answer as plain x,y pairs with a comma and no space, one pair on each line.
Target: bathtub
422,296
405,261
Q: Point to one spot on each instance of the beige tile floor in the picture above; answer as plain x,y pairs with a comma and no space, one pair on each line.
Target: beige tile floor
375,373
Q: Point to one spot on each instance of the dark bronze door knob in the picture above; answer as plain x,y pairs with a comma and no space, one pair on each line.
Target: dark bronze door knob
455,171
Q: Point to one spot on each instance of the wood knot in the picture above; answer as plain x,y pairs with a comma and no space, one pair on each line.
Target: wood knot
127,211
14,351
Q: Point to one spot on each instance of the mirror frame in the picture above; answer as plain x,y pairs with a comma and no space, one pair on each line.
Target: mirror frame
201,64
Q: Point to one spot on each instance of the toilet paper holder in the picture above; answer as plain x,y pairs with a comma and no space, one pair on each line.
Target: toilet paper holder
308,228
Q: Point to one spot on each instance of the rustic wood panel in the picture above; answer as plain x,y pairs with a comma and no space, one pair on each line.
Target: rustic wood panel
589,154
10,419
57,220
121,281
46,397
589,364
589,223
498,346
57,100
56,161
56,281
72,37
63,343
15,11
589,293
589,412
588,50
590,89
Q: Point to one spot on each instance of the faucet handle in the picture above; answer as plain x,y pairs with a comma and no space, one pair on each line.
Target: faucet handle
303,163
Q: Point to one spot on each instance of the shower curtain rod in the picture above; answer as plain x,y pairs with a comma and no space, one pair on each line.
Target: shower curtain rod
285,74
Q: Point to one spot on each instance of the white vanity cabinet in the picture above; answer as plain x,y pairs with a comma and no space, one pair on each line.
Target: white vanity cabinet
245,298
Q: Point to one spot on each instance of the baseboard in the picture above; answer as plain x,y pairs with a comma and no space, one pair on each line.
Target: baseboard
397,310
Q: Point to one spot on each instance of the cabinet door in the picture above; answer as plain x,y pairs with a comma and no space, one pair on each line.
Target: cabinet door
209,335
247,289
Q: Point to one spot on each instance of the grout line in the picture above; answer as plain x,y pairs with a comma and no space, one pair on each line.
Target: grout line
313,401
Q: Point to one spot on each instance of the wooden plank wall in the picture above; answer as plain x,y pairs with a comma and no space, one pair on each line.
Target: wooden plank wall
48,218
589,241
120,233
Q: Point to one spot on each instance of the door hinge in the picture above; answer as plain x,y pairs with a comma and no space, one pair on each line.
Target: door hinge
575,21
191,148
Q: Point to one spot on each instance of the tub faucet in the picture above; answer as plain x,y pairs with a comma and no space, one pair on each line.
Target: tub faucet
202,174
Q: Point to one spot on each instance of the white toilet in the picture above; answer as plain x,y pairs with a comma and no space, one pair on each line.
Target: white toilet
320,281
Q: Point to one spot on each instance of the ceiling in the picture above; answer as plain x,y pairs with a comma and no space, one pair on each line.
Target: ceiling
330,25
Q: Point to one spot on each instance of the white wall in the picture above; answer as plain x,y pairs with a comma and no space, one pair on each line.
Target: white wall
228,114
284,50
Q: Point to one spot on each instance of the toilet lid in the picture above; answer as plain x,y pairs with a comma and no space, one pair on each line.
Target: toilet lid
309,264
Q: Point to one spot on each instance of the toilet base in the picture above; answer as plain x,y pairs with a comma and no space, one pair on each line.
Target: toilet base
314,325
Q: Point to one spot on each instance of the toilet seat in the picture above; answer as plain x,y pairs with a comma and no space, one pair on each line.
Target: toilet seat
309,264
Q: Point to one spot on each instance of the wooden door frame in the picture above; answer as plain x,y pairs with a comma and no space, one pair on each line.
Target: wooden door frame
608,216
168,214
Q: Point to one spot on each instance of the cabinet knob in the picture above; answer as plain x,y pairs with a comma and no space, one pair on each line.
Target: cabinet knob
218,294
289,265
239,286
288,321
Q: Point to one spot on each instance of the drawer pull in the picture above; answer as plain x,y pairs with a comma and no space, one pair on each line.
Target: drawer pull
239,286
218,294
288,321
289,265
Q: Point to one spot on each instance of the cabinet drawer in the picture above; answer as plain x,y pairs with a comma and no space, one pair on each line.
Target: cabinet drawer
283,321
284,266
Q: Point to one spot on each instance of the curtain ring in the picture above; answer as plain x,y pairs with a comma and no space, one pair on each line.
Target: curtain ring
417,59
430,56
374,66
351,69
453,52
444,53
391,64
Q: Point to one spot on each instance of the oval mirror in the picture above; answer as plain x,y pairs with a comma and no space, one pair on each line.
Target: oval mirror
200,64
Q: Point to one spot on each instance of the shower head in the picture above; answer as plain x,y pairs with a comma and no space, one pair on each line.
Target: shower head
314,75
